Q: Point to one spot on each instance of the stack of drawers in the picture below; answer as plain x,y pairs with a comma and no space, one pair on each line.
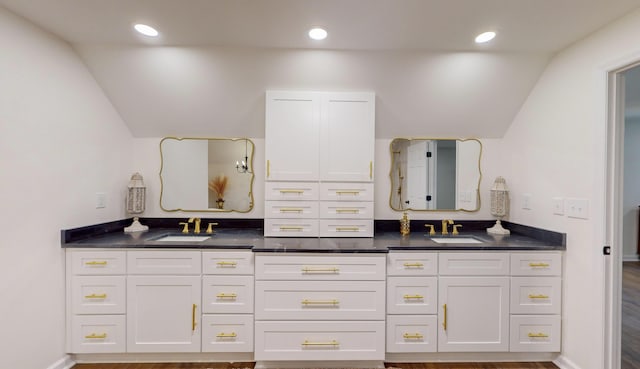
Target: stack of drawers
535,302
291,209
97,300
346,209
318,307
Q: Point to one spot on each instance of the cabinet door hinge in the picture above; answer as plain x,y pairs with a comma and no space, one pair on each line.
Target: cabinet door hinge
428,197
428,154
606,250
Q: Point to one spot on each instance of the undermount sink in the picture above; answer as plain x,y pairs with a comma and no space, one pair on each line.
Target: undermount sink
455,240
185,238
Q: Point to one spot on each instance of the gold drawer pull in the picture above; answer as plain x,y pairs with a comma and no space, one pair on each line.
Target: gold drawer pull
539,265
538,335
414,336
330,343
94,263
227,335
193,317
291,228
320,302
347,229
413,297
94,296
347,211
320,270
292,191
291,210
231,264
226,295
444,322
94,336
348,192
538,296
413,265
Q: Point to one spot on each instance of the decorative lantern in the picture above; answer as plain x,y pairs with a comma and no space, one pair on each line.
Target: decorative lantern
136,193
499,205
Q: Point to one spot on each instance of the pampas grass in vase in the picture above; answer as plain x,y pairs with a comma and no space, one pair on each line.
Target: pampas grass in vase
219,185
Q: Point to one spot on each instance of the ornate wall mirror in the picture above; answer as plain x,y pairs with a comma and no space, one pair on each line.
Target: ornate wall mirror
435,174
206,174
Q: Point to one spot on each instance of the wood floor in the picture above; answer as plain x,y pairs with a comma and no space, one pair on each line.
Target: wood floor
630,315
388,365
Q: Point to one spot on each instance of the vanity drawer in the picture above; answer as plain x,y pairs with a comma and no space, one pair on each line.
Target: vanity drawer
320,300
297,191
346,227
164,262
227,262
412,333
319,340
227,294
346,210
473,263
412,263
227,333
318,267
538,263
530,333
535,295
346,191
412,295
291,209
290,227
98,295
97,262
97,334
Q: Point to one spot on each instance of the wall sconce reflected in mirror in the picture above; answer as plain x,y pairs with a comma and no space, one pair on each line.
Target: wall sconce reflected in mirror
499,205
244,167
136,193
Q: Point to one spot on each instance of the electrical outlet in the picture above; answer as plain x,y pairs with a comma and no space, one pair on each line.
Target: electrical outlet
526,201
101,200
578,208
558,205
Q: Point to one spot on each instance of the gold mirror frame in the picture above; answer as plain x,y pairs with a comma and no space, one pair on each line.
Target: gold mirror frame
393,168
249,151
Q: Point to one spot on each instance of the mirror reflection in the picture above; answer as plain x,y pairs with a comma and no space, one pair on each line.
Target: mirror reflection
206,174
435,174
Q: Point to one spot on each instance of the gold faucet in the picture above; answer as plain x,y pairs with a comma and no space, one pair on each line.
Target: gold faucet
455,229
445,225
197,221
432,230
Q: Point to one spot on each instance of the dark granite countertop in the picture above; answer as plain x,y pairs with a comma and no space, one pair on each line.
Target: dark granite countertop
248,234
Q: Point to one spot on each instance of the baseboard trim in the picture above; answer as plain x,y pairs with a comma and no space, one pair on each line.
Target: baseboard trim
64,363
563,363
631,257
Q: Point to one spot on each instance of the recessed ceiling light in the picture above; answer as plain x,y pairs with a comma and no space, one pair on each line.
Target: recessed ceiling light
146,30
485,37
317,33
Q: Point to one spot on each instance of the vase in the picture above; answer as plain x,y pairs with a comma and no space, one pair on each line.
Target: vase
220,203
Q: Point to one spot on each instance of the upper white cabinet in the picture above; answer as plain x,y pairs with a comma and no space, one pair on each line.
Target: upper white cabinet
325,139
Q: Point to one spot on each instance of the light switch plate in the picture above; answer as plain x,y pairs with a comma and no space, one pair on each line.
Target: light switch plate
101,200
526,201
578,208
558,205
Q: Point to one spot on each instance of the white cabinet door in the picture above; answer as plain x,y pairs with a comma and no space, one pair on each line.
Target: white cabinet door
474,314
163,313
292,124
347,136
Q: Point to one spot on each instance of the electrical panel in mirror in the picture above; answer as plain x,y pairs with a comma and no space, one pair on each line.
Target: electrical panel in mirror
206,174
435,174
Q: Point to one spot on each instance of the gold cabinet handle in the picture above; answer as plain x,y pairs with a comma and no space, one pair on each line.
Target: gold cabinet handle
347,211
291,210
347,192
537,335
94,336
413,336
231,264
226,335
531,296
291,228
329,343
226,296
292,191
320,270
268,168
413,265
444,323
347,229
96,296
193,317
413,297
95,262
371,170
320,302
539,265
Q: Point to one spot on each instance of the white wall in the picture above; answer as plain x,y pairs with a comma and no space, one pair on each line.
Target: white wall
60,142
631,196
556,147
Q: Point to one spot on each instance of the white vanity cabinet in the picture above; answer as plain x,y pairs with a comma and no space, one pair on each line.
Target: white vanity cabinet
319,307
319,141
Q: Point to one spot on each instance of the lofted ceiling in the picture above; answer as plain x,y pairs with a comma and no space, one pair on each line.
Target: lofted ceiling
205,75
